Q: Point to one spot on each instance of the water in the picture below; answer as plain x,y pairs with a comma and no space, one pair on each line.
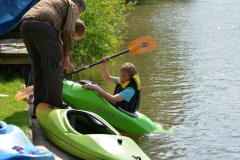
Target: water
191,81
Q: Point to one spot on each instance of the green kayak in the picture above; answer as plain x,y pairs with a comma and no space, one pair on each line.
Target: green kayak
86,135
78,98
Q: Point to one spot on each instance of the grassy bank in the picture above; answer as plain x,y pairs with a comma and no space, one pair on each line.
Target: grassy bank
13,111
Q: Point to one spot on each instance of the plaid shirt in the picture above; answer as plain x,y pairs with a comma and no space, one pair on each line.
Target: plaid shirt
62,14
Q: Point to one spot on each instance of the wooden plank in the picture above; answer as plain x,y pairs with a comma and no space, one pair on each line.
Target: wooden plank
20,43
12,49
9,50
8,42
8,46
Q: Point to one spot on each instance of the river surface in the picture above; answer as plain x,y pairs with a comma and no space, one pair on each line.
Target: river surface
191,81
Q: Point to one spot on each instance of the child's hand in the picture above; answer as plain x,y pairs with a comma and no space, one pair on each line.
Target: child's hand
106,59
88,86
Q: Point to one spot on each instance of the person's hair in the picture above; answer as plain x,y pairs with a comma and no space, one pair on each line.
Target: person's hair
80,28
129,68
82,3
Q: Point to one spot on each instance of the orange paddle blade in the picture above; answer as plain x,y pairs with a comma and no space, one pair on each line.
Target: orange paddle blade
24,93
142,44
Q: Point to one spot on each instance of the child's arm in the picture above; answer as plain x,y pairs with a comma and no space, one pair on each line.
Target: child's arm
109,97
107,77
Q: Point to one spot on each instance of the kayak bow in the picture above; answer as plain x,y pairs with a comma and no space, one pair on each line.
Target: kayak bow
14,144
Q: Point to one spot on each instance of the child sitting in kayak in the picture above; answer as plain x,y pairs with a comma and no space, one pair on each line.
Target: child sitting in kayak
127,91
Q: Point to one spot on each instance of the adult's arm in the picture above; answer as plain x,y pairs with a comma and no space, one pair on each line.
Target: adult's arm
67,33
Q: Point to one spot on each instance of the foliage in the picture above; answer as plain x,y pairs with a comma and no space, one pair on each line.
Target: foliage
11,72
105,21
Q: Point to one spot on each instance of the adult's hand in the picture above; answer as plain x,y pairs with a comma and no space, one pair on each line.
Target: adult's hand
66,63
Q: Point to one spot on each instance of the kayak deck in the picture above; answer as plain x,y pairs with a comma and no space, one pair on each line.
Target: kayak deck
85,134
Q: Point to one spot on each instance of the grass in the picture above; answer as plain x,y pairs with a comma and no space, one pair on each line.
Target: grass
13,111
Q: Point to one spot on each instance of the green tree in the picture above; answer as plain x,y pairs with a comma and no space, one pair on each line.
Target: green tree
105,21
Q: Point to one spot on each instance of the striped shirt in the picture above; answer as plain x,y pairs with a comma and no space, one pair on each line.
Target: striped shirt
62,14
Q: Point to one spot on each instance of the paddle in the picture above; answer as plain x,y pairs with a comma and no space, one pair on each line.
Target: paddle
24,93
138,46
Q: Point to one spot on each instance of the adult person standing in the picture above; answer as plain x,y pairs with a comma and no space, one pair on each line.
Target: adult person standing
40,30
80,30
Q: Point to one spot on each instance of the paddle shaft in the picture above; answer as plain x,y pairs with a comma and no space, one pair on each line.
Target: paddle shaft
94,64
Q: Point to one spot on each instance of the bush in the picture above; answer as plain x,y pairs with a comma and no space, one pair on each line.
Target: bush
9,73
105,21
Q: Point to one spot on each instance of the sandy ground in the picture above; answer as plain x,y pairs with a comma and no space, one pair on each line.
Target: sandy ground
43,144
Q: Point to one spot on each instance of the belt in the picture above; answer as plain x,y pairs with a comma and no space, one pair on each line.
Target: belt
35,20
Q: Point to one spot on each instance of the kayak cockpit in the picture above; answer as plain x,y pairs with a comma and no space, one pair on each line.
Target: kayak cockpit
85,123
134,115
3,127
